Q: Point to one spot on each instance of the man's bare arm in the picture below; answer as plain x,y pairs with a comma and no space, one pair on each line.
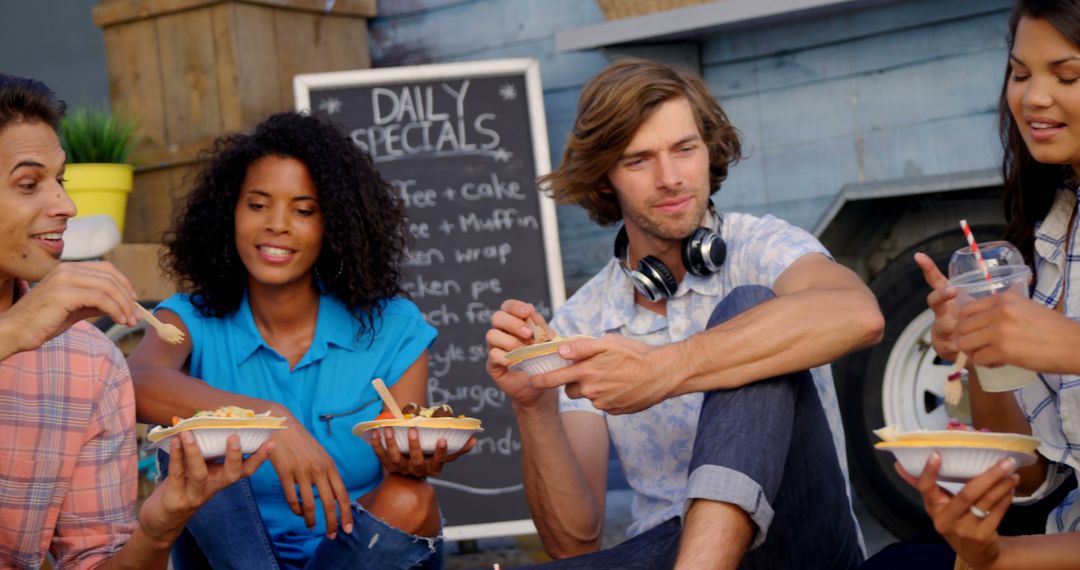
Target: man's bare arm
565,477
822,311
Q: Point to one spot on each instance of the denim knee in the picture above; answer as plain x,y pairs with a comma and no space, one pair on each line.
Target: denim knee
739,300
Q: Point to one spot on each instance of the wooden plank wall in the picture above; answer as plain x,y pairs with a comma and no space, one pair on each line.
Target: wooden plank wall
202,69
906,90
903,89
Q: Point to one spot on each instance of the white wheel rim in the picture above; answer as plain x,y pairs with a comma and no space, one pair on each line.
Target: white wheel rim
911,391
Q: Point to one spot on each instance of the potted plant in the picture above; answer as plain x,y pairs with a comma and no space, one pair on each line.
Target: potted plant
98,178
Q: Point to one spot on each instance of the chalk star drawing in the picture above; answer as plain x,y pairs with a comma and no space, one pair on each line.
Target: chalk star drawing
502,155
508,92
330,106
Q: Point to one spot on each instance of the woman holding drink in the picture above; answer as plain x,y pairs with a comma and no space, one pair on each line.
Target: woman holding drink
1040,130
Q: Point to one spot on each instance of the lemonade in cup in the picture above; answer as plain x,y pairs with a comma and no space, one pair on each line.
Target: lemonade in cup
1008,275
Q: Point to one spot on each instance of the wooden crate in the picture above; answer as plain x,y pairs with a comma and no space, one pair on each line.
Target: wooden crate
139,262
190,71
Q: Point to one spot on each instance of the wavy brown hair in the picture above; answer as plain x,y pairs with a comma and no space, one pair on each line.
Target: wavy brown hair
613,105
365,232
1030,185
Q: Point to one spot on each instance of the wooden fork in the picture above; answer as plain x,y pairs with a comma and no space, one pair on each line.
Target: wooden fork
166,332
538,333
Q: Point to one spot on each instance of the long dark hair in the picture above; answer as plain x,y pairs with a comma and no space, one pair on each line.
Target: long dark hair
1029,185
365,232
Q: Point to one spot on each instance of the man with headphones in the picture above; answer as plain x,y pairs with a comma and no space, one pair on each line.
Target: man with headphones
709,371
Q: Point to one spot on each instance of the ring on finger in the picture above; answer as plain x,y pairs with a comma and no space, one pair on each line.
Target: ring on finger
978,513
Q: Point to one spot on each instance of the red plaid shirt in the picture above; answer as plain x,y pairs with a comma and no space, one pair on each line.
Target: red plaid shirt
68,480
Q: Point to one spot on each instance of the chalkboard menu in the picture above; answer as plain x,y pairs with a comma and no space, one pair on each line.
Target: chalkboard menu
462,145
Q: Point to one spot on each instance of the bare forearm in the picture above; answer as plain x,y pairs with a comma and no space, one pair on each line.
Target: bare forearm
786,334
996,411
999,411
9,340
568,514
162,393
141,551
1039,551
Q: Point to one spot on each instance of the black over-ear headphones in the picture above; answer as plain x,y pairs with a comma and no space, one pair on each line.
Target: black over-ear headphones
702,254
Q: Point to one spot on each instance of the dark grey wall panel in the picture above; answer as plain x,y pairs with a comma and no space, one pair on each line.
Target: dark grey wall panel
55,41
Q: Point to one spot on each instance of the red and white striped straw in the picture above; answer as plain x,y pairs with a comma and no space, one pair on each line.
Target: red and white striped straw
975,248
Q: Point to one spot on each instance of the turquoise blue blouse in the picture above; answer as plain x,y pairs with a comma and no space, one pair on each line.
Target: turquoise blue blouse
329,391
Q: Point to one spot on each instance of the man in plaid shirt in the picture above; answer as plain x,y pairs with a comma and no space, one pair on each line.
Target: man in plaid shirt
68,473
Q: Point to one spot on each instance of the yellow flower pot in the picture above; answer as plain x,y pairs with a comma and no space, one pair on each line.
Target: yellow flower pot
100,189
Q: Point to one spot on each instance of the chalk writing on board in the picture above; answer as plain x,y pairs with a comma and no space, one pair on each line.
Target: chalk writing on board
430,120
476,490
460,154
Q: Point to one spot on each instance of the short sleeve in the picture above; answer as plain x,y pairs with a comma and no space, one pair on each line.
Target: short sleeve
408,335
180,304
1041,408
762,248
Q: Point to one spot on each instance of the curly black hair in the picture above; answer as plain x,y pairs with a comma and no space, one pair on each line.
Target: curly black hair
365,231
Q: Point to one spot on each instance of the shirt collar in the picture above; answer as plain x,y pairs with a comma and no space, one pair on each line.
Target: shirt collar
620,309
1051,233
334,325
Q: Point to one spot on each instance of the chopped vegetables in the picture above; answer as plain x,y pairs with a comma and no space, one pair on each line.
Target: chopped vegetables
225,412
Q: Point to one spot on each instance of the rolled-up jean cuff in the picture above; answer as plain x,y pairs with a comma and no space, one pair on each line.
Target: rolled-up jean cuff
723,485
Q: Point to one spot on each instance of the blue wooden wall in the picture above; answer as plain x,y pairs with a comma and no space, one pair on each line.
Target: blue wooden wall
903,89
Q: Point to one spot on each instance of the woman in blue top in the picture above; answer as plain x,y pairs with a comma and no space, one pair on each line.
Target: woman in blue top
291,249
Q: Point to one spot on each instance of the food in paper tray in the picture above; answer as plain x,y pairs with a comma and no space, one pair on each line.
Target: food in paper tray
431,423
212,428
541,357
964,451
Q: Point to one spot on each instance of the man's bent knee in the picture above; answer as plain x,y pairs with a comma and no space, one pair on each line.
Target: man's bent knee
739,300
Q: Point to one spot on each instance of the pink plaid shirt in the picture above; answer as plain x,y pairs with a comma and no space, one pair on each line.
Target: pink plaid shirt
68,468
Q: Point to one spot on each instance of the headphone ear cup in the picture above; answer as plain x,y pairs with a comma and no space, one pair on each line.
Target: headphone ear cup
660,275
691,253
717,253
703,252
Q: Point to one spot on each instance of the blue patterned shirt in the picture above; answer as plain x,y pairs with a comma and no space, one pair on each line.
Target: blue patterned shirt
655,445
1052,404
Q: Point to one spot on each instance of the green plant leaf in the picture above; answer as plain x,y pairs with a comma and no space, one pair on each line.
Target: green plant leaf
93,135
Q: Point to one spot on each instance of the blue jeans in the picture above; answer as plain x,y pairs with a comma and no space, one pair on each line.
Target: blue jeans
767,448
228,533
